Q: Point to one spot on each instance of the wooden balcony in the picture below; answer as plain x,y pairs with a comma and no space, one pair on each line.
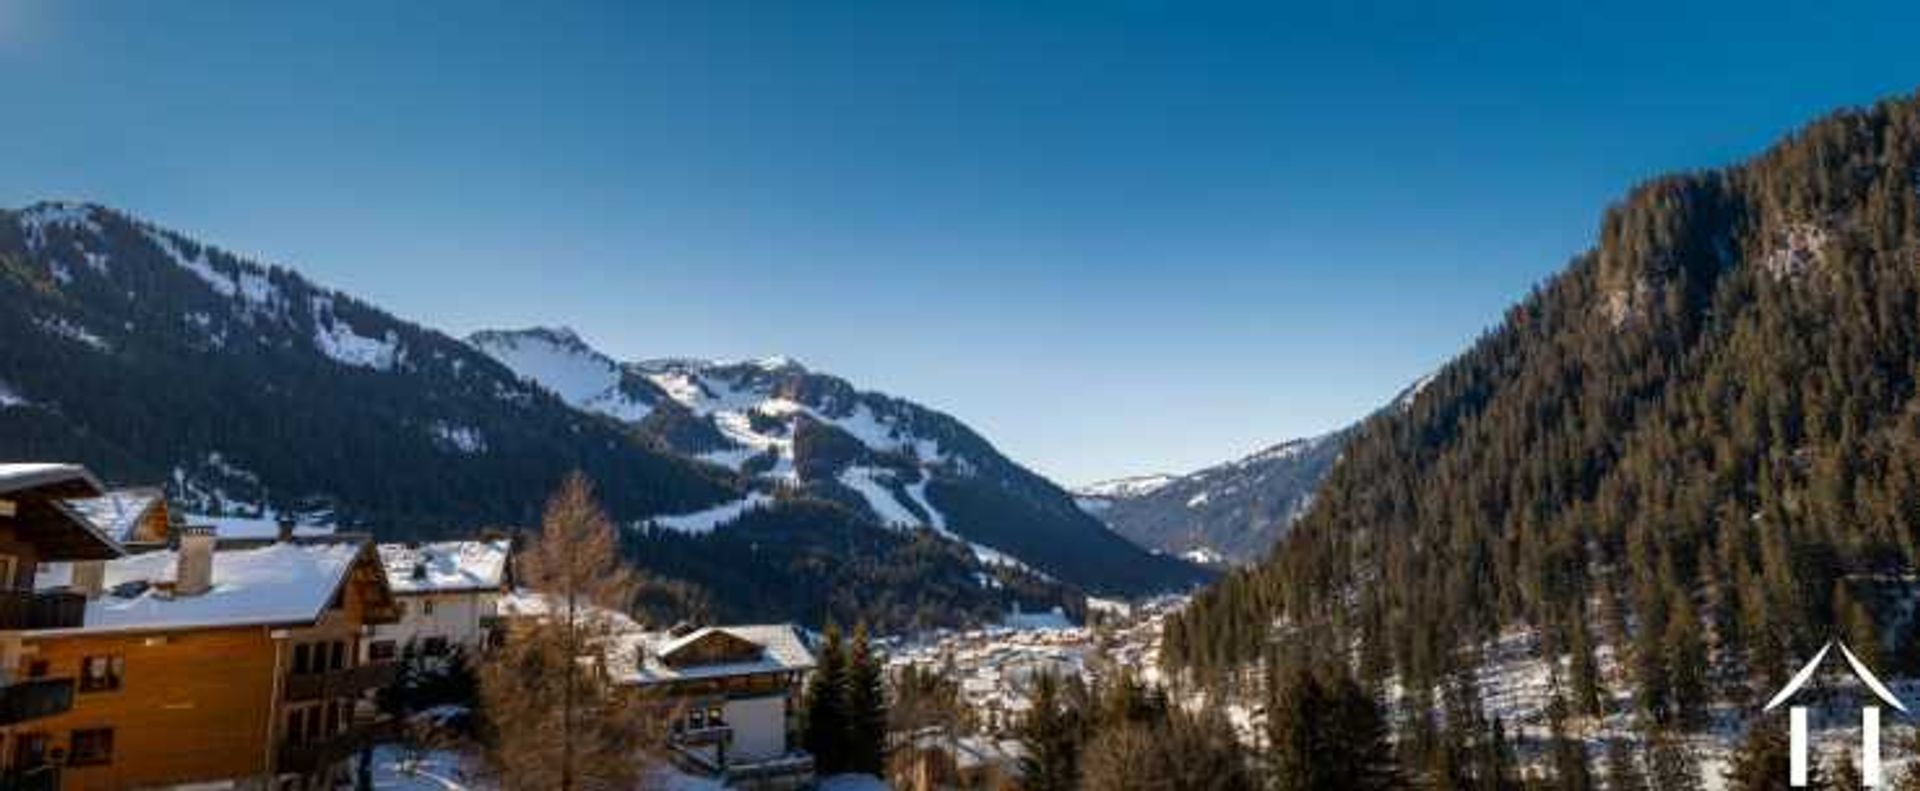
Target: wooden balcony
316,754
49,610
350,682
32,700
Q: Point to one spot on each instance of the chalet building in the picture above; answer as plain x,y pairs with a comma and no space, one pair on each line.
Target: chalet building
136,518
448,595
37,526
735,694
936,759
203,664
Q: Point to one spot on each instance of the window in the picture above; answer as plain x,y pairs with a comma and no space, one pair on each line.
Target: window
101,673
90,747
9,566
302,659
426,607
434,646
338,661
30,750
381,650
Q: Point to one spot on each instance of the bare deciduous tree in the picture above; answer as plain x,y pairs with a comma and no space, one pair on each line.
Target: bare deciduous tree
555,718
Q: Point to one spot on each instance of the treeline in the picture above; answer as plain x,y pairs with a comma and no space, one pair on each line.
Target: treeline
1699,445
812,562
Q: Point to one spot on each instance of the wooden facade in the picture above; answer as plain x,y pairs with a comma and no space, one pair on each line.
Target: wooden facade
268,705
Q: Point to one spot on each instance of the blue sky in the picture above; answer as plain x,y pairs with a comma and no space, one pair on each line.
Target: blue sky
1115,237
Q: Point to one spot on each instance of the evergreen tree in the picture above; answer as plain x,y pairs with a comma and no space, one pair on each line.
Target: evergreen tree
1846,774
1567,754
1763,762
827,716
865,707
1050,737
1623,768
1672,765
1686,656
1909,780
1323,736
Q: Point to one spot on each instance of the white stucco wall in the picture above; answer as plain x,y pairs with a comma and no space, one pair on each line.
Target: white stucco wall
759,727
456,617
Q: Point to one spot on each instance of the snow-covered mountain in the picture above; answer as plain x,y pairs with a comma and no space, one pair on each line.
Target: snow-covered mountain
785,427
250,392
1228,513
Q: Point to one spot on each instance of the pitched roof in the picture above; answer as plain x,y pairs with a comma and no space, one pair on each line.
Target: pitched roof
37,493
782,650
446,566
70,480
118,512
287,583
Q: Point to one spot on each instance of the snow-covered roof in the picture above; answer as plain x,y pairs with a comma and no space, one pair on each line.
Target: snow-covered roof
445,566
17,476
781,650
118,512
286,583
255,528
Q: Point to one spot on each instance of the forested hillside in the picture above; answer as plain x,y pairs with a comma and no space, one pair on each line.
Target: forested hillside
245,389
1699,444
781,425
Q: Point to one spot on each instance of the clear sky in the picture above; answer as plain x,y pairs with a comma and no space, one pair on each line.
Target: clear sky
1115,237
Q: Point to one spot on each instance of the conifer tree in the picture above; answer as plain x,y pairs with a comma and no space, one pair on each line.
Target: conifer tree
1846,774
827,716
1623,768
1672,765
1050,737
1763,762
1686,657
1909,780
866,708
1568,756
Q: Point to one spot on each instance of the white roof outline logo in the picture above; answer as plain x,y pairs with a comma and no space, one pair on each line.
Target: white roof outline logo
1860,671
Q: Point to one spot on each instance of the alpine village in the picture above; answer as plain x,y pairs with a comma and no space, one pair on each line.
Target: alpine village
256,533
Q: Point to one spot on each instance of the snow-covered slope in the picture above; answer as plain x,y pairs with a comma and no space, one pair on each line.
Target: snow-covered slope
561,362
1227,513
783,426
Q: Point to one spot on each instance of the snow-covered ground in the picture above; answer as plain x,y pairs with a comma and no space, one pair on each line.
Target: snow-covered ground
704,521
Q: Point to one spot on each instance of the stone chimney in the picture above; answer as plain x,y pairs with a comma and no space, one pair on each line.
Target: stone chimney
89,577
194,575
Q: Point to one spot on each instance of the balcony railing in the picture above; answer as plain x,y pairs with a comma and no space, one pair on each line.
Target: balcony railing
41,610
31,700
344,683
711,734
795,766
314,755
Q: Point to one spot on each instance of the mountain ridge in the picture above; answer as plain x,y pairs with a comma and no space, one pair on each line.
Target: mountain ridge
782,425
